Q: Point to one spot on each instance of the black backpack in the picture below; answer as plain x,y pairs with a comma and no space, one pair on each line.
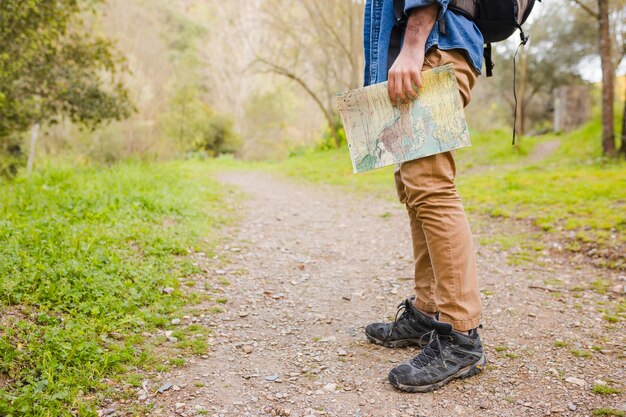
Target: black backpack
496,19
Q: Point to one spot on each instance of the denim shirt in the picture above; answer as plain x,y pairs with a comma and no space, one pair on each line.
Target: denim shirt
460,33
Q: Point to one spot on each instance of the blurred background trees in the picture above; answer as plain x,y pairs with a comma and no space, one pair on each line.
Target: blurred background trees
52,67
157,79
608,18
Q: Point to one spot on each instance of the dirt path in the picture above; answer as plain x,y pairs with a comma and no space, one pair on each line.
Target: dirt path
310,266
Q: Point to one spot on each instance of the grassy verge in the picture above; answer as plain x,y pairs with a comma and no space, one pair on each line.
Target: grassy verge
571,192
84,256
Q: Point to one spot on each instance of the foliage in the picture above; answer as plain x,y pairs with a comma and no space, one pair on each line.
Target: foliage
605,389
605,411
50,65
269,123
194,126
541,66
218,136
10,156
319,49
84,255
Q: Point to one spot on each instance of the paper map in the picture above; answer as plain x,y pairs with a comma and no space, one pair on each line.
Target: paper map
380,134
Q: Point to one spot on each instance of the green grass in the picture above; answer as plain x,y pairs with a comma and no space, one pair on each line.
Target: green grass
605,411
605,389
580,353
600,286
572,193
84,255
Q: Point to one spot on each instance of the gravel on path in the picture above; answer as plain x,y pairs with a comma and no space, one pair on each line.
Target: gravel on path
311,266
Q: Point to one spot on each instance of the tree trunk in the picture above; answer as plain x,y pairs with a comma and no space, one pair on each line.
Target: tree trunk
622,149
334,124
608,79
34,135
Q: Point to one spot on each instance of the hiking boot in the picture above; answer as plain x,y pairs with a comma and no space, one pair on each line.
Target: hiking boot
448,356
407,330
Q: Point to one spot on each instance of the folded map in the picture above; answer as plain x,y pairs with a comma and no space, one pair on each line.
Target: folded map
381,134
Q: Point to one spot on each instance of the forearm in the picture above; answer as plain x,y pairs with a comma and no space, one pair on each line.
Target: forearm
420,24
404,76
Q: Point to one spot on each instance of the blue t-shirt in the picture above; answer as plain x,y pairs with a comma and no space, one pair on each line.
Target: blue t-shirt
460,33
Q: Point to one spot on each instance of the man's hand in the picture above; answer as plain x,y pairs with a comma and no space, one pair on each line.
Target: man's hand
405,74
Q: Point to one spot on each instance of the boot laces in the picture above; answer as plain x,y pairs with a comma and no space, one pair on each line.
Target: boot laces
433,350
403,308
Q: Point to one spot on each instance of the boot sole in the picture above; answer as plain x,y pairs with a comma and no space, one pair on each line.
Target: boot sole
464,373
397,343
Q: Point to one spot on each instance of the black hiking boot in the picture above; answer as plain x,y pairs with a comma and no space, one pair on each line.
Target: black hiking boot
407,330
448,356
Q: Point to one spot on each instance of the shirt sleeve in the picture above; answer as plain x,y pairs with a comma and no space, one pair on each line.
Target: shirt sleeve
412,4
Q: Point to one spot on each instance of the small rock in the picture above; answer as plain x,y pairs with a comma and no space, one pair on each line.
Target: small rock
142,397
620,289
164,387
175,321
167,290
179,405
243,314
484,406
271,377
532,315
342,352
330,387
220,272
599,382
247,349
168,333
176,388
571,406
328,339
108,411
575,381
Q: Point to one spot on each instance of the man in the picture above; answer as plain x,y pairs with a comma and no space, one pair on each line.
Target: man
445,312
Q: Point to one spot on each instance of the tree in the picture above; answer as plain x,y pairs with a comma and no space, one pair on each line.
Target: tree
541,65
319,49
609,60
622,149
51,66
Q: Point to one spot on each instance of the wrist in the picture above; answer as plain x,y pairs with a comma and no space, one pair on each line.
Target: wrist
419,25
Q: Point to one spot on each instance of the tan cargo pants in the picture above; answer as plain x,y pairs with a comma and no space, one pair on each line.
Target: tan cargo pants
445,264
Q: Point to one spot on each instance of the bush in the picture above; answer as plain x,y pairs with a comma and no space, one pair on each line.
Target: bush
11,156
218,136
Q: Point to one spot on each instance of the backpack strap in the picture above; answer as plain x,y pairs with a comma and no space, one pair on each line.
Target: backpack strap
466,8
488,61
397,33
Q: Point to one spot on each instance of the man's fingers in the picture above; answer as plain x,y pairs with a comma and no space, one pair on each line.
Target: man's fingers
416,77
390,88
402,85
399,89
409,86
